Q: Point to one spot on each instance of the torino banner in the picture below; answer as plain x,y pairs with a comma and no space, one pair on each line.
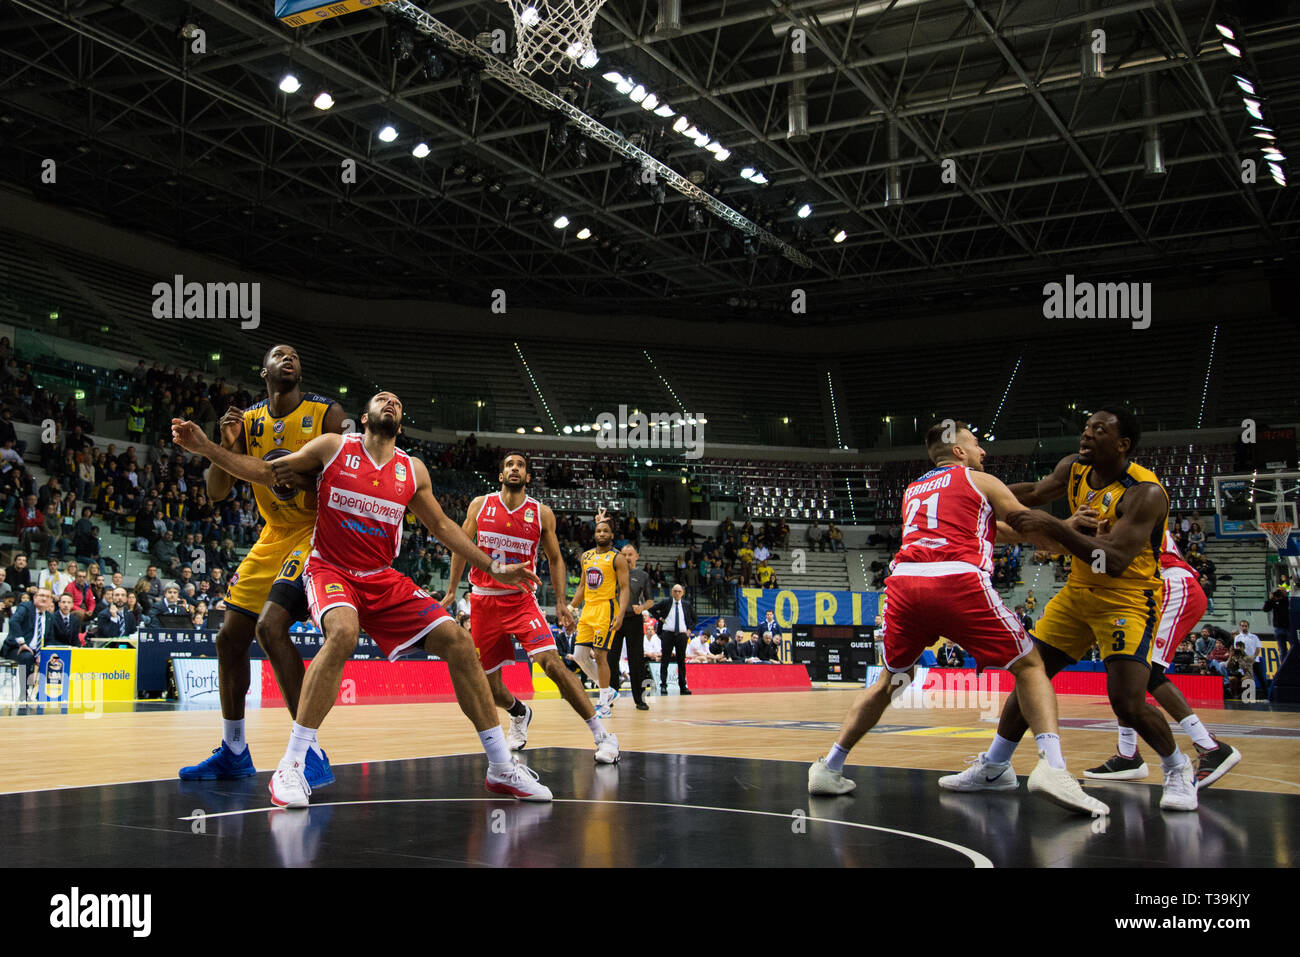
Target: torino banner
791,606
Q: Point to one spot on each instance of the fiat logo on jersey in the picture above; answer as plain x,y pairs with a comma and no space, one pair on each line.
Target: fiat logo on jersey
399,470
594,577
279,426
284,493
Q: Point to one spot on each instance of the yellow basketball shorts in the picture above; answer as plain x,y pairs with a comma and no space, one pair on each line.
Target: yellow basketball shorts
595,624
272,571
1122,623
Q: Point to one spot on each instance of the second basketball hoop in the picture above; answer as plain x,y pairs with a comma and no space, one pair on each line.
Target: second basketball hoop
553,35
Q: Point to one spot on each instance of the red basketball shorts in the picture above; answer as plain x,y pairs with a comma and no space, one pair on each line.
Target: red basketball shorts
392,609
495,619
1184,607
963,608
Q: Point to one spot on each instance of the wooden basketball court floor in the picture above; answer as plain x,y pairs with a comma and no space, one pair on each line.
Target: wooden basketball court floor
705,780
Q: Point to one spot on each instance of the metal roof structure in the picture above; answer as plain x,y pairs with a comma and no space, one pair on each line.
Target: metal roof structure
964,147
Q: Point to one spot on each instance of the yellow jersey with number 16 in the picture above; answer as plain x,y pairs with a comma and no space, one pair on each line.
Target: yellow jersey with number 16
268,437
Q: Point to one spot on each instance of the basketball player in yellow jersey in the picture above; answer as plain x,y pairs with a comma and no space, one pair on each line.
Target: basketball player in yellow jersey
266,595
1112,597
604,594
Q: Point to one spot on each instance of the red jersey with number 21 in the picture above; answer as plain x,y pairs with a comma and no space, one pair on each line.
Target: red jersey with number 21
360,507
947,519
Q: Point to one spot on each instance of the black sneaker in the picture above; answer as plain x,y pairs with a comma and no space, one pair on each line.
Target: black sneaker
1215,763
1119,768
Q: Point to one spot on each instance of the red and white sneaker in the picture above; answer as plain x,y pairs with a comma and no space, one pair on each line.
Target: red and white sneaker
517,780
289,787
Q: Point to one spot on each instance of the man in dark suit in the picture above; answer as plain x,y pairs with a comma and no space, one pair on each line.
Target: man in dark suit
676,617
31,627
632,631
67,626
114,620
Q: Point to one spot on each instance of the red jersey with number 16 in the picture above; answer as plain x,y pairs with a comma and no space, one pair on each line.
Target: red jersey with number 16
510,537
360,507
947,519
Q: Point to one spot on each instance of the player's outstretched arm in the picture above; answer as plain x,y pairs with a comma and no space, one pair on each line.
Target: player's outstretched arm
559,574
470,528
624,590
1144,506
307,459
219,482
427,510
1048,488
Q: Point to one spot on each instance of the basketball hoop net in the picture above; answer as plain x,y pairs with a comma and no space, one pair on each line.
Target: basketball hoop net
553,35
1277,533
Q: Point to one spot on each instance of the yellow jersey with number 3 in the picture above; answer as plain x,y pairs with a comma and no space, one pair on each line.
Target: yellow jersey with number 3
1144,571
268,437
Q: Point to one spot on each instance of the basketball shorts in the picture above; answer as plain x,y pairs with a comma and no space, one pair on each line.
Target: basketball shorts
272,571
594,625
495,619
394,611
962,607
1121,622
1182,610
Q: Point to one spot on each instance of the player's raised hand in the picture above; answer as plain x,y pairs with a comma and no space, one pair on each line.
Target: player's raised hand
518,574
188,435
601,516
232,426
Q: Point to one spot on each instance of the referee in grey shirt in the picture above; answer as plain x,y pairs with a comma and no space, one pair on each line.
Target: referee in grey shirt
633,630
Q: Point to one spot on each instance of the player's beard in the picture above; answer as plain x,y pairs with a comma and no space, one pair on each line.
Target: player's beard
384,426
514,484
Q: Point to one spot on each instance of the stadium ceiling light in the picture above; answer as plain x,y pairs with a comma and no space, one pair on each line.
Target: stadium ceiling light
638,93
1225,30
650,102
748,172
804,211
1231,49
1245,84
702,141
290,84
1274,154
589,58
1279,179
388,134
691,132
613,77
530,17
323,100
1275,169
836,234
520,430
537,428
759,179
722,155
420,150
1264,134
625,85
664,110
568,430
561,221
682,124
1252,107
714,147
584,233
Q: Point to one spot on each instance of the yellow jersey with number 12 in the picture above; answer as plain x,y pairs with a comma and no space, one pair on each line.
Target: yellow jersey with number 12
268,438
1144,571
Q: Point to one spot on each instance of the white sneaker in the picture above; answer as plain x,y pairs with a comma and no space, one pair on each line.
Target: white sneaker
822,780
289,787
982,776
1060,787
517,780
1180,789
517,736
607,749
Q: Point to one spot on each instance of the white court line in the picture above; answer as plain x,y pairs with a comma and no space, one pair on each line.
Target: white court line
976,858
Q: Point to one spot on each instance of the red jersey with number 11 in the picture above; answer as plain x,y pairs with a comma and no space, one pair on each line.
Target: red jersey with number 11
360,507
509,536
947,519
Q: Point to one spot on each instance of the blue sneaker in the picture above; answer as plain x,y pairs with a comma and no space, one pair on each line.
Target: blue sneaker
223,765
317,769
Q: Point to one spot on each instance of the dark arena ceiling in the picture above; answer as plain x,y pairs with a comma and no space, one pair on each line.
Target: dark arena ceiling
1053,150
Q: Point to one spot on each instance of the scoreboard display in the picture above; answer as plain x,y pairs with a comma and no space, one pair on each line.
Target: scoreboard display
834,652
